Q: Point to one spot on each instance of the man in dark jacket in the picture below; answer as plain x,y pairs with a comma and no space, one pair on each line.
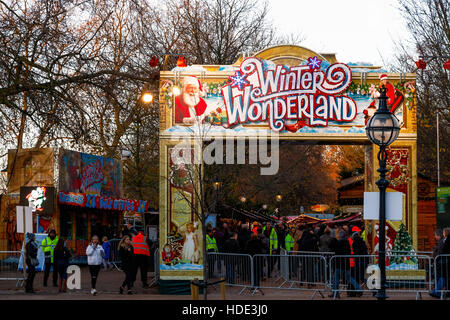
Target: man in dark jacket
308,242
442,250
255,246
341,264
231,247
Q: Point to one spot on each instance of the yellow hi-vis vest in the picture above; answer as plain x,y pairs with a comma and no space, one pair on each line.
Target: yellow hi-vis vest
289,242
211,244
48,245
273,241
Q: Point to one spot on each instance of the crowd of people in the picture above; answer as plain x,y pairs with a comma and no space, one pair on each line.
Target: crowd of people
133,249
233,237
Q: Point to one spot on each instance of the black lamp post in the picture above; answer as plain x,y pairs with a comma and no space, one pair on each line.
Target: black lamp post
382,129
278,198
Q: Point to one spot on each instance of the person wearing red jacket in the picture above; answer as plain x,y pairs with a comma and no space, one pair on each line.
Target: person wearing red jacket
141,247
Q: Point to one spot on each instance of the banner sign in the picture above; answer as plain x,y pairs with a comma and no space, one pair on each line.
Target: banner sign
89,174
289,93
99,202
315,97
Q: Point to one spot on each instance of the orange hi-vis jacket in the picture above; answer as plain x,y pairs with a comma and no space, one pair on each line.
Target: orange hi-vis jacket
352,260
140,245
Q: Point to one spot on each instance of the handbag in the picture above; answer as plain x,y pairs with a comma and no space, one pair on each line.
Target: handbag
34,262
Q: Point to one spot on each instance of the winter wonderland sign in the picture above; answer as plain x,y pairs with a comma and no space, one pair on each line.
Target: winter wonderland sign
300,93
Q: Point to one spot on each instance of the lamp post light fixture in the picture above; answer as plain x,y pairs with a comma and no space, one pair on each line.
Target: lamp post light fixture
147,97
382,129
278,198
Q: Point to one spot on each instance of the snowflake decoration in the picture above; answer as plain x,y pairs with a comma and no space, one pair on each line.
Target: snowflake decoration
239,80
314,63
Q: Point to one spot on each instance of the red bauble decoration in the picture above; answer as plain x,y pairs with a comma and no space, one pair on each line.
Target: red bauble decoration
421,64
181,62
153,61
447,64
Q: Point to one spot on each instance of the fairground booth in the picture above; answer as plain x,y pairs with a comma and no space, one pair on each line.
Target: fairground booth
287,93
86,198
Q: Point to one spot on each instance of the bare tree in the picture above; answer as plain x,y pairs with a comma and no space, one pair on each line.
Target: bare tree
428,23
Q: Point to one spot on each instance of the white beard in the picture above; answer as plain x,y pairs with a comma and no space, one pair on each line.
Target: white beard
191,99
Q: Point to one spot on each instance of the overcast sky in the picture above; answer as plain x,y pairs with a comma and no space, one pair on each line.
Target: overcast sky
356,30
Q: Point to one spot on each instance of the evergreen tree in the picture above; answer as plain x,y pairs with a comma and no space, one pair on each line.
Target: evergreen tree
403,250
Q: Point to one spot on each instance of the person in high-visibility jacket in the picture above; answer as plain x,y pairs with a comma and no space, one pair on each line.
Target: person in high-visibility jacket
211,246
289,245
141,247
289,240
273,247
47,246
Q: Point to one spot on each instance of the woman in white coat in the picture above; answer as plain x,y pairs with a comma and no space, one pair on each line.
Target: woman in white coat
95,254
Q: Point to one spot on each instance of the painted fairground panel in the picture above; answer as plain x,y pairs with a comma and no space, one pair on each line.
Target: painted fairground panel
30,167
89,174
182,250
315,97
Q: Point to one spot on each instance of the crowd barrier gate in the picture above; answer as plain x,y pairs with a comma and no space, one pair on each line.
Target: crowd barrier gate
9,268
441,275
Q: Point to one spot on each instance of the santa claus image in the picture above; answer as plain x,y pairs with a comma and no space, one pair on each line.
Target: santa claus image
189,105
394,98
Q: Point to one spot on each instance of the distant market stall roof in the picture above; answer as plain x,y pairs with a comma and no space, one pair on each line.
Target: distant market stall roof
304,218
353,218
251,214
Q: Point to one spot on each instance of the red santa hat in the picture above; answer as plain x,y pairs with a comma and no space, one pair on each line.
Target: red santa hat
194,81
383,77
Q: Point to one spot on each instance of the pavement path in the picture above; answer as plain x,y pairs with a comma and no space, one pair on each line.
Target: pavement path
109,281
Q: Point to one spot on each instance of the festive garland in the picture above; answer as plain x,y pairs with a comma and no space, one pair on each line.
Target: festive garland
408,88
167,92
179,176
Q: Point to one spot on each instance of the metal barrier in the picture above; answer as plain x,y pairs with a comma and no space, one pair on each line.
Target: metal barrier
9,267
237,269
442,276
304,271
156,268
404,273
114,255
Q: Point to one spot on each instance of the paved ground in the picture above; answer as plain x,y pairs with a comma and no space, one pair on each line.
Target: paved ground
109,281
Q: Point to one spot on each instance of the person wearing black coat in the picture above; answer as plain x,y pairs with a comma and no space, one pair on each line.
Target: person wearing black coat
341,264
231,246
31,260
255,246
126,255
61,256
359,249
443,266
308,242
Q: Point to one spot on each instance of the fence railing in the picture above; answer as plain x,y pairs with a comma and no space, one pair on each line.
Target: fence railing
237,269
319,272
9,267
441,275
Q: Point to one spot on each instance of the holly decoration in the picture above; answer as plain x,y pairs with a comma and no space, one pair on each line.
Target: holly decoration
403,251
421,64
181,62
180,175
153,61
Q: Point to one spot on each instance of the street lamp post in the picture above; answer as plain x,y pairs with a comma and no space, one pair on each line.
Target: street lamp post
278,198
382,129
